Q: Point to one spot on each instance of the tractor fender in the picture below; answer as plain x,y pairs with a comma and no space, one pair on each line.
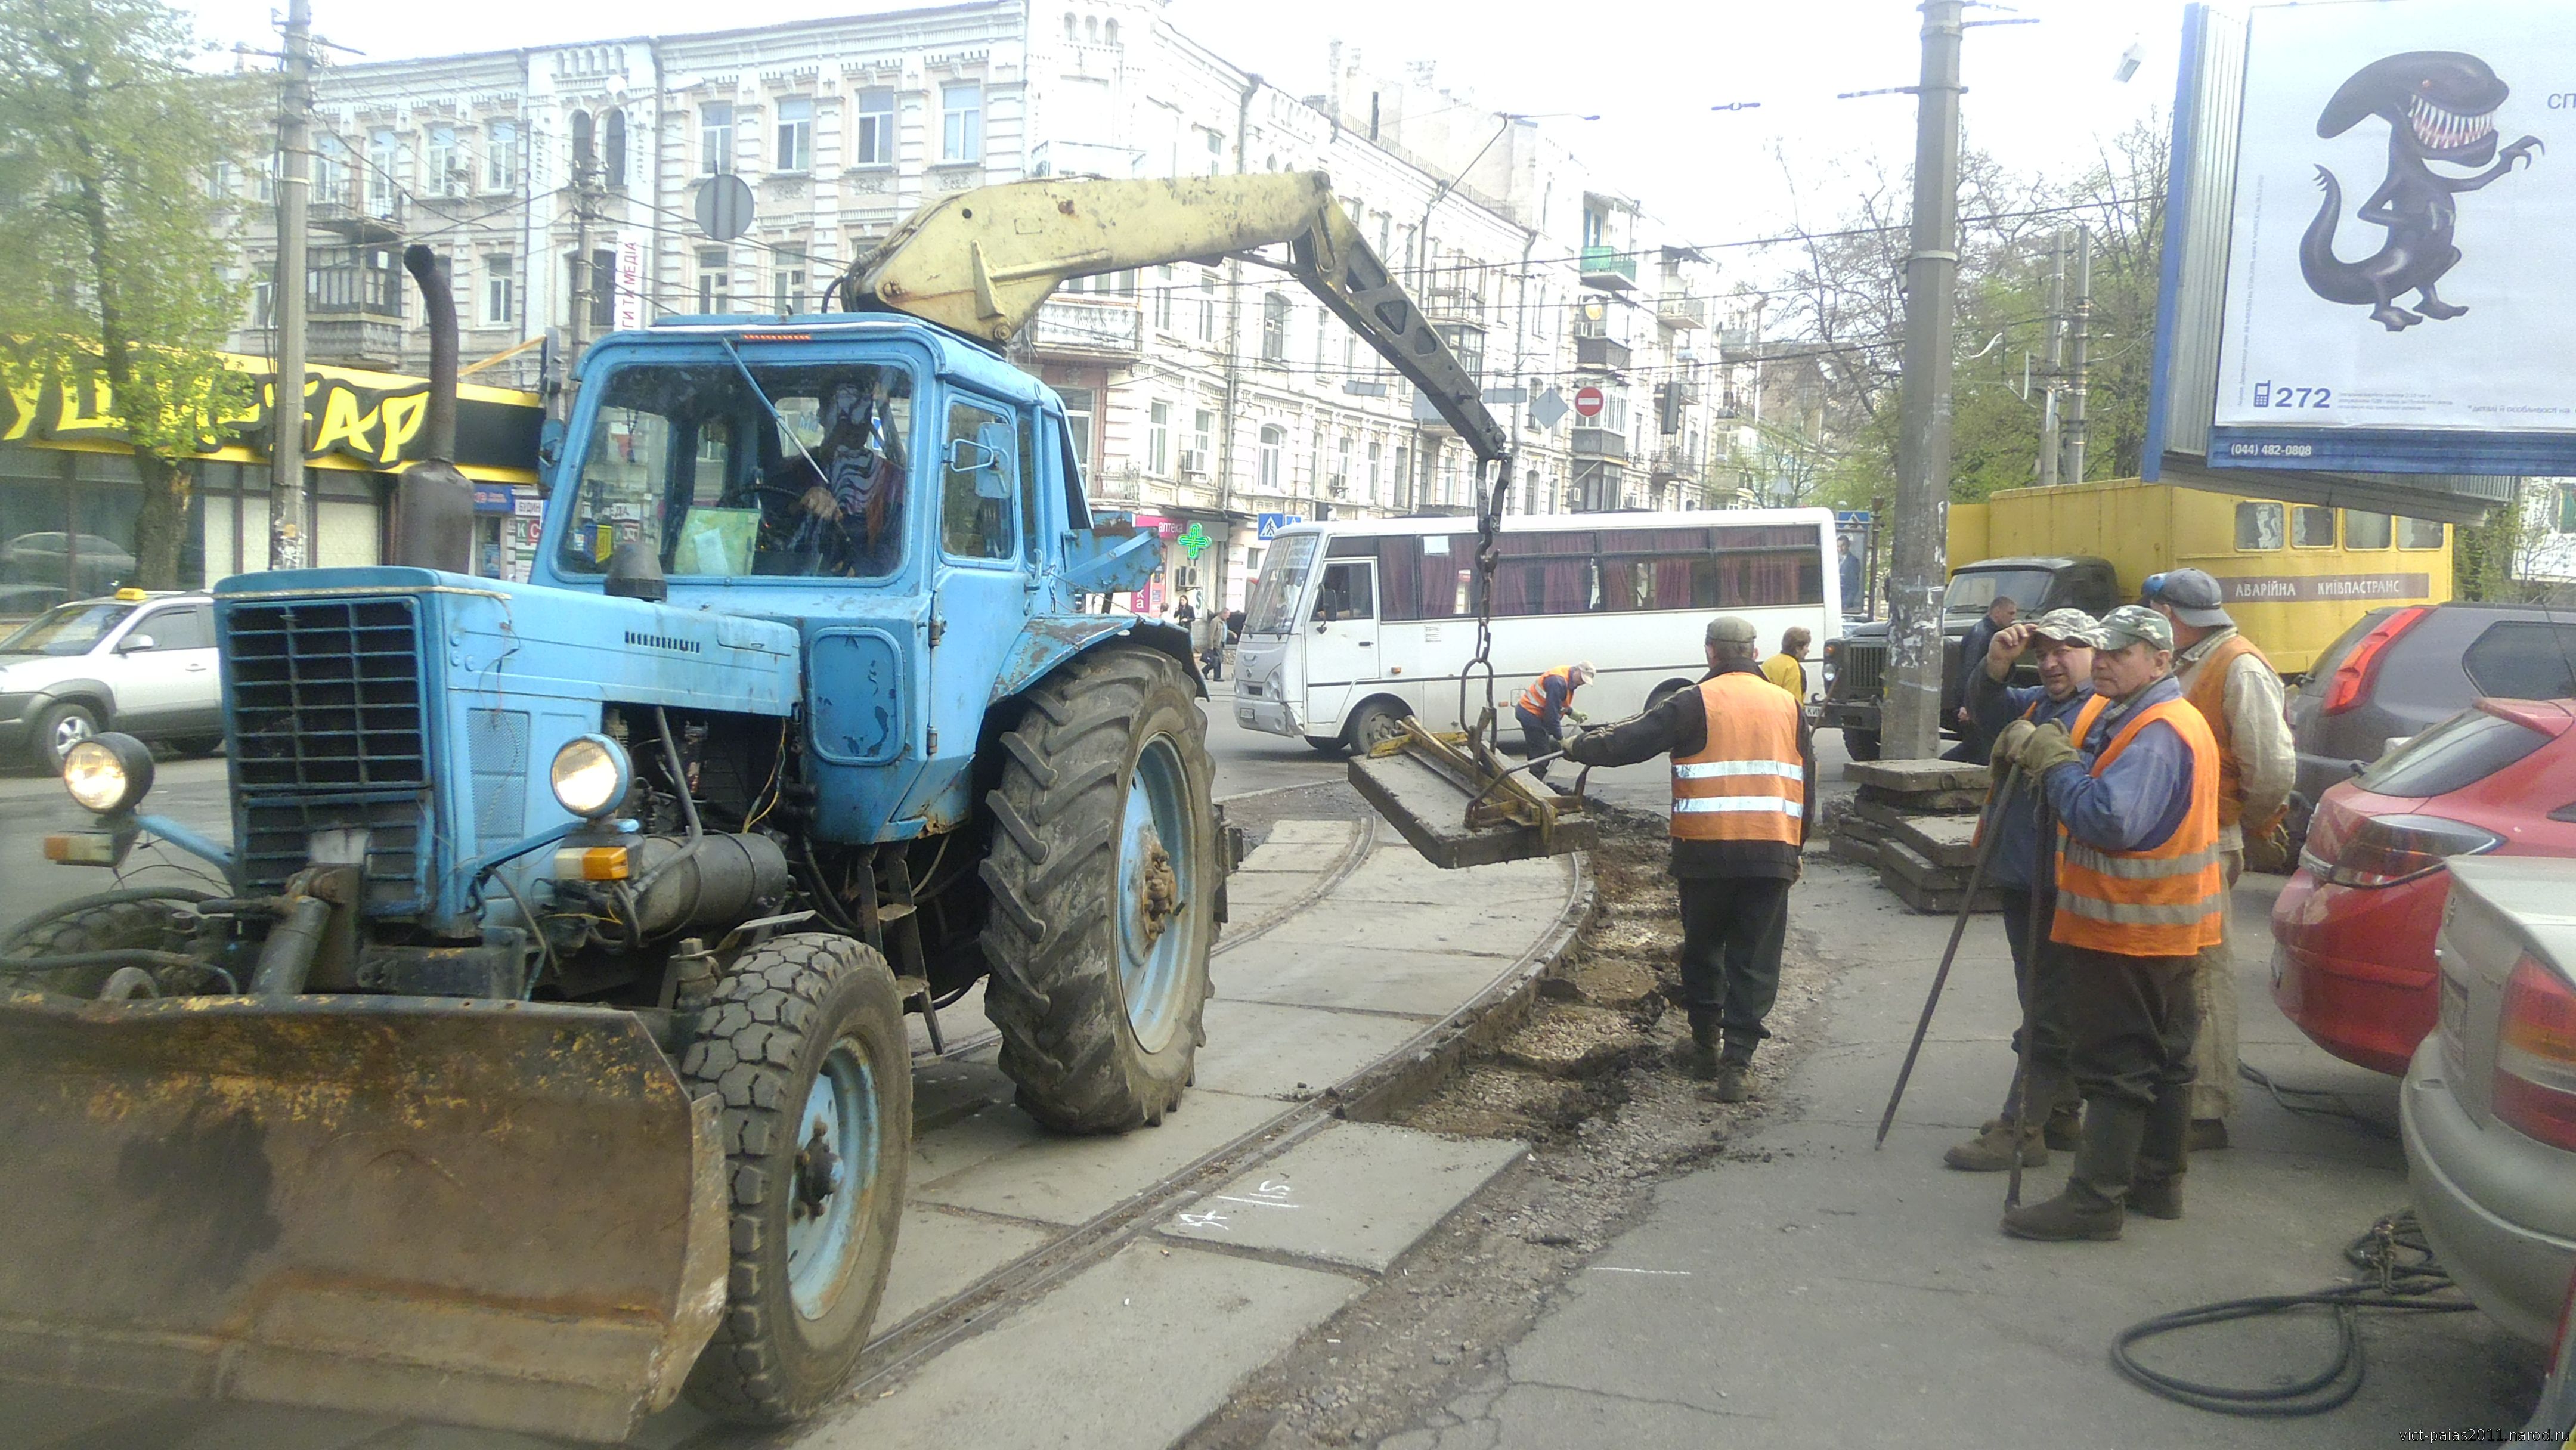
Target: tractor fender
1050,640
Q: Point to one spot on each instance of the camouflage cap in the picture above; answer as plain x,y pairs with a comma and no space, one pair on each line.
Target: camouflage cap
2132,623
1730,629
2074,626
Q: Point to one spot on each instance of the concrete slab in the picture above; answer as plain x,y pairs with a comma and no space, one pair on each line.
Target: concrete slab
1127,1355
1386,978
1292,1052
1310,858
938,1253
1456,924
1061,1180
1311,833
1355,1194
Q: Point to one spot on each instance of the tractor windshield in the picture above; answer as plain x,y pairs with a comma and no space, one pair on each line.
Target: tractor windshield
687,459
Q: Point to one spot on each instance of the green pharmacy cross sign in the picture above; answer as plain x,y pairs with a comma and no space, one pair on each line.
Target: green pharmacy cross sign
1194,542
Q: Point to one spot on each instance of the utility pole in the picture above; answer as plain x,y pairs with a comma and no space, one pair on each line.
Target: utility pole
2083,329
1911,728
294,175
2048,441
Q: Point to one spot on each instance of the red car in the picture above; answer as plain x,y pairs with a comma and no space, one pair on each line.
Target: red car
2353,931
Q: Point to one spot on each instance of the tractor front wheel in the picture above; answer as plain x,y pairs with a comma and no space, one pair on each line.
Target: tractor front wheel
120,926
1105,883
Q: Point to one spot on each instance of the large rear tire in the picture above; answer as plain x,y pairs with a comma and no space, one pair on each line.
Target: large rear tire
150,926
805,1045
1860,744
1105,877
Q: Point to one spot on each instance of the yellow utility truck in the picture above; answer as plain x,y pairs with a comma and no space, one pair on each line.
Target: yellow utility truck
2294,575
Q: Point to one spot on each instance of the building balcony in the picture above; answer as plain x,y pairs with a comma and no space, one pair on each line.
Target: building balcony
1087,327
1680,309
1600,443
1600,354
1609,270
354,340
1672,461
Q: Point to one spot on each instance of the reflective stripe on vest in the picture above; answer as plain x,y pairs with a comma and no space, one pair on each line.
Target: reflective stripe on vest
2207,693
2166,902
1746,782
1534,699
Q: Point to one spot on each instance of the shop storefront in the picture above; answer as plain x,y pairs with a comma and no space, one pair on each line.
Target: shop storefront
70,493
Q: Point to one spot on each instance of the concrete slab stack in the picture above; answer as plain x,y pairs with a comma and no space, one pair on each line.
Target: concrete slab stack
1915,821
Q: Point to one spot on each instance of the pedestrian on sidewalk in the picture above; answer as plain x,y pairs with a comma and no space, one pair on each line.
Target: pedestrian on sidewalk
2140,891
2238,693
2023,877
1545,707
1975,744
1744,798
1788,668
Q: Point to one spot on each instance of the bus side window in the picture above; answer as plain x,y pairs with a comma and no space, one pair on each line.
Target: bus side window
1345,594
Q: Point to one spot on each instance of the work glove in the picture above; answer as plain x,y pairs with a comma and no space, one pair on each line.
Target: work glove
1577,716
2008,745
2046,749
1581,742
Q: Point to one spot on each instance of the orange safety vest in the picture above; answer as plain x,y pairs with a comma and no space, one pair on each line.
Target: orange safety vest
2085,714
2166,902
1747,782
2208,694
1534,699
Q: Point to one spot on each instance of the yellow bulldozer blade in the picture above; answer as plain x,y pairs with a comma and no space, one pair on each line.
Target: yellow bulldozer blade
488,1213
1459,805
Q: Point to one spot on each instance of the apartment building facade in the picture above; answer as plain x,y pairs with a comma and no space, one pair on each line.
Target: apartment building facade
562,185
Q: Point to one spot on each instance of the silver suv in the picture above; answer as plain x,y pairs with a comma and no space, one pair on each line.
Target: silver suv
137,662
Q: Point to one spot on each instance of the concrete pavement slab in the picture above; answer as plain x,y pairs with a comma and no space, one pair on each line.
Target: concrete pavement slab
1127,1355
1061,1180
1356,1194
1378,978
1462,923
1312,833
1292,1052
939,1252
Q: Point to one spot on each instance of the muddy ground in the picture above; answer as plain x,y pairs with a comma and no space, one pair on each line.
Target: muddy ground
1584,1081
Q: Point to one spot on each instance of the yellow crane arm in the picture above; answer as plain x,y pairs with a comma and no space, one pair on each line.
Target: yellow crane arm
981,261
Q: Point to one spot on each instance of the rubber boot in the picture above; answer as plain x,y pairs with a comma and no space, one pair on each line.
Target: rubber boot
2114,1129
2164,1155
1698,1057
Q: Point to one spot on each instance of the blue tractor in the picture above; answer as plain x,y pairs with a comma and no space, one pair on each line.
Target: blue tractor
544,1052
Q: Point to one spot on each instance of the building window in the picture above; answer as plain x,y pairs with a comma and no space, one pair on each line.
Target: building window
263,301
585,154
380,173
795,134
715,138
2419,533
612,164
1274,445
1274,327
442,177
874,144
1207,304
1376,474
501,156
961,123
1158,438
1596,227
600,287
330,171
715,279
500,290
1216,153
1079,409
1203,438
1163,297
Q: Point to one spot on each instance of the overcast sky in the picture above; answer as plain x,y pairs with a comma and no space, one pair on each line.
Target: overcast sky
2040,96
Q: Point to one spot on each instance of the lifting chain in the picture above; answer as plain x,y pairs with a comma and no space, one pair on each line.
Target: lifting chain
1489,545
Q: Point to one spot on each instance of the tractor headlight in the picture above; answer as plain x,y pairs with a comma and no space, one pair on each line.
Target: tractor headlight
591,774
108,774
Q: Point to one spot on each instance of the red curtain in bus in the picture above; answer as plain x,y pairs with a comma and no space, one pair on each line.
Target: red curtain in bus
1558,583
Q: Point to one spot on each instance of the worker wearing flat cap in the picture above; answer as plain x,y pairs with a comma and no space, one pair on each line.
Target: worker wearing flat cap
2140,891
2021,871
2238,692
1744,798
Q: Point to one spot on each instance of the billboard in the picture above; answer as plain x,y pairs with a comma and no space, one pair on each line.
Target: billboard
2400,259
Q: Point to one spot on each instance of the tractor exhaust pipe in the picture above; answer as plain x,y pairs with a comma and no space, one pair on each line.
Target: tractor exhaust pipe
434,500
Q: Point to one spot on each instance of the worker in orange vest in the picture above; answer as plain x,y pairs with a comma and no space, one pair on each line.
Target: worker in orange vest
1545,707
2140,892
1744,798
2239,693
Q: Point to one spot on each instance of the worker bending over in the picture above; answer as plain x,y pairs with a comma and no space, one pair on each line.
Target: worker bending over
2023,876
2238,693
1744,792
2140,891
1788,668
1545,707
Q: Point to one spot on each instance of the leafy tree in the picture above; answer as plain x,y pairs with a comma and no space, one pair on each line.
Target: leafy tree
107,143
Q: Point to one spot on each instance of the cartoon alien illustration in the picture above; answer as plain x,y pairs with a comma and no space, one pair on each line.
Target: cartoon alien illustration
2440,106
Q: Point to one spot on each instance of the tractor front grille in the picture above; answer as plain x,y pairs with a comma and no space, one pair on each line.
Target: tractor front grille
328,722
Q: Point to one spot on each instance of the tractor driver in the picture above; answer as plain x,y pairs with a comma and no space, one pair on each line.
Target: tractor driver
848,517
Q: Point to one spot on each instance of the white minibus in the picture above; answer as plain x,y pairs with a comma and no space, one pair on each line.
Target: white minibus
1352,625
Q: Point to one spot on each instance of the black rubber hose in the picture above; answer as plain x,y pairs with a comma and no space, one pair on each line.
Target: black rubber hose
18,934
